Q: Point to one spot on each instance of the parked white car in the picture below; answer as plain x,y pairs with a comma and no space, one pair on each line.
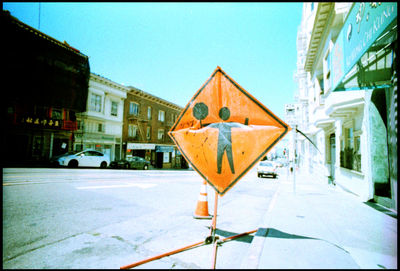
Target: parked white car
86,158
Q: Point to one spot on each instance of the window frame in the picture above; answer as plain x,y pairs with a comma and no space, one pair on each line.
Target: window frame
149,112
96,102
148,132
114,110
132,107
161,115
132,130
162,133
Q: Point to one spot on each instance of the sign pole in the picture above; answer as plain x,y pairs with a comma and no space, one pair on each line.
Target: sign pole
213,229
294,159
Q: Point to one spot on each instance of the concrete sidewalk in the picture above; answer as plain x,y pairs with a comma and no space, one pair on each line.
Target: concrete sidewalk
321,226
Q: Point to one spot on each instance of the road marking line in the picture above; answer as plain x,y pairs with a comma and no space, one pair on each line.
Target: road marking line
140,185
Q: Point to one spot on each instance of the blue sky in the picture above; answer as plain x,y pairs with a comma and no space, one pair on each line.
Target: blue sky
171,49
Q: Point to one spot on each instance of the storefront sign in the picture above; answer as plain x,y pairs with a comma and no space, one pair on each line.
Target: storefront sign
138,146
41,122
164,148
364,25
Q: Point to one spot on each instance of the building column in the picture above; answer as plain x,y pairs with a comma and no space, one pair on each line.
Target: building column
51,144
338,135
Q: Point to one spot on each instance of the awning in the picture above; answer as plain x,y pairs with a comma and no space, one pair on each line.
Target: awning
164,148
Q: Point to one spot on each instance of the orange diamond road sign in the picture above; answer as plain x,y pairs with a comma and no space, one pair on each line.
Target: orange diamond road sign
224,131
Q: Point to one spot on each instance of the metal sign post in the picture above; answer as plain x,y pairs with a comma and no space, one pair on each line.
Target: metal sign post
294,159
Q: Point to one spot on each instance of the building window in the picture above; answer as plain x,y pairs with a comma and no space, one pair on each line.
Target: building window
160,134
56,114
78,147
148,132
132,130
161,115
80,125
100,127
114,108
149,113
133,108
350,154
357,153
95,103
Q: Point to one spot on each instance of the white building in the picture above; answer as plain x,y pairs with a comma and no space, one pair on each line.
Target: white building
347,93
100,127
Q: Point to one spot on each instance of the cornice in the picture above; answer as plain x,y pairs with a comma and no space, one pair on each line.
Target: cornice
153,98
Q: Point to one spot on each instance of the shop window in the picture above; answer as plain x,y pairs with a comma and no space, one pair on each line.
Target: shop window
133,108
114,108
37,146
350,154
95,103
78,147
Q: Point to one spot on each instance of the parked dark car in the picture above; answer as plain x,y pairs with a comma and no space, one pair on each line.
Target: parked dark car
135,162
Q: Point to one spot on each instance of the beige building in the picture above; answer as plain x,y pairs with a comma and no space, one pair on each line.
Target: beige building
347,92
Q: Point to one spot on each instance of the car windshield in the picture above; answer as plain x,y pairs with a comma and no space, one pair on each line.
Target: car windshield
70,153
266,164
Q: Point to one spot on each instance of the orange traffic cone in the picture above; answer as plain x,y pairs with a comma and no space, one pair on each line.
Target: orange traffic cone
202,204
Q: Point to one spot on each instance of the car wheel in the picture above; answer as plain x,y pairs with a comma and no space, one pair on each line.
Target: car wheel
103,164
146,167
73,163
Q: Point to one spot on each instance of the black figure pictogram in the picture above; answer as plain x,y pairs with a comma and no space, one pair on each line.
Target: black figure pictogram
200,112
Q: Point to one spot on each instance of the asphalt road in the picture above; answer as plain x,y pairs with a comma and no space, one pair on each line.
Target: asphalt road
104,218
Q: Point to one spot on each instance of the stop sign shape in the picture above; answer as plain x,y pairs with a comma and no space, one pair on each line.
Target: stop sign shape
224,131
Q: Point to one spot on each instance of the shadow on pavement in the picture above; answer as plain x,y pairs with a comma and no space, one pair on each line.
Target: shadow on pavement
274,233
381,209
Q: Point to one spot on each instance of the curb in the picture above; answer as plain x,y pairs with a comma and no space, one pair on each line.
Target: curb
252,258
